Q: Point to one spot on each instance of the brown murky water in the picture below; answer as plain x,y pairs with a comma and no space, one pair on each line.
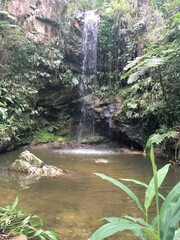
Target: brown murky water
71,205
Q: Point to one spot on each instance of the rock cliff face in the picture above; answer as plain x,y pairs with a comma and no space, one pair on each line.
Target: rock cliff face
106,112
39,19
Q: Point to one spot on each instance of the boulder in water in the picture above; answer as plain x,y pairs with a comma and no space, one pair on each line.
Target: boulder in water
28,163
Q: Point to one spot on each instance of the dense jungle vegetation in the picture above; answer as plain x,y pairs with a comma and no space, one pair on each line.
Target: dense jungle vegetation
135,61
138,59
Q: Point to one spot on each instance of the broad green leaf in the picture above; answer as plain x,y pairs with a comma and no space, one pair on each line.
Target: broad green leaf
150,192
169,222
129,218
177,235
117,226
171,199
141,184
123,187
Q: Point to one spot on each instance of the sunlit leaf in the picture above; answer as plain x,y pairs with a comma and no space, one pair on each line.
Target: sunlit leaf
117,226
150,192
141,184
171,199
169,222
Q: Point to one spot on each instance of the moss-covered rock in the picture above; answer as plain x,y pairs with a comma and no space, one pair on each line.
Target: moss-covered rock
28,163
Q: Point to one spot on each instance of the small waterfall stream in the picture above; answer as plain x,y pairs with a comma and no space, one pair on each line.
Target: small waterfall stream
89,70
90,39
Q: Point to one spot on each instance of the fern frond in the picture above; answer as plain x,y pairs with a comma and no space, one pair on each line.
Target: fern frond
153,62
138,68
136,75
132,63
158,138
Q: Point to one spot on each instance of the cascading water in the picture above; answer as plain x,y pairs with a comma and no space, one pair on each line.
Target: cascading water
89,70
90,39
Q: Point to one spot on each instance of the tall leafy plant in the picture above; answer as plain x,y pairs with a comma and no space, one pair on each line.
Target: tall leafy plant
163,226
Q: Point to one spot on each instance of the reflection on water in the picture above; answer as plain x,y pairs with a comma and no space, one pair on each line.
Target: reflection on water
72,204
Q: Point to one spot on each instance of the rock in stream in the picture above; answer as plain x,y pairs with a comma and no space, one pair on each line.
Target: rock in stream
28,163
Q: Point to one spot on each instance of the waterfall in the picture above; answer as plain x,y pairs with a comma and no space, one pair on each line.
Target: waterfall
90,39
89,70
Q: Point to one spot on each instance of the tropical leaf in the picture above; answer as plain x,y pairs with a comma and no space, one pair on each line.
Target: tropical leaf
117,226
135,181
169,222
140,221
123,187
171,199
141,184
150,192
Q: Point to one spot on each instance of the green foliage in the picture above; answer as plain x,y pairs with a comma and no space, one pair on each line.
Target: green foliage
13,221
116,6
45,137
118,40
105,91
153,78
158,138
141,68
163,226
26,68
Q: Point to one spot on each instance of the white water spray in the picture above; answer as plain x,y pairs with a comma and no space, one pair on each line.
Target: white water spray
89,70
90,40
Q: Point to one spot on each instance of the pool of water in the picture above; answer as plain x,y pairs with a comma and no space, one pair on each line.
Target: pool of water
71,204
